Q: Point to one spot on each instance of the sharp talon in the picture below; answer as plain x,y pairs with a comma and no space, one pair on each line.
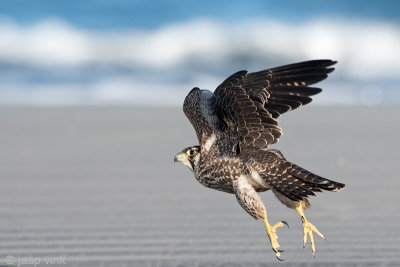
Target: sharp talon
273,237
277,250
308,230
285,223
280,259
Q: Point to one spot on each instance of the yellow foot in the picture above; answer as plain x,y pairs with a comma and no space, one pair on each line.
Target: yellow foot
308,230
273,237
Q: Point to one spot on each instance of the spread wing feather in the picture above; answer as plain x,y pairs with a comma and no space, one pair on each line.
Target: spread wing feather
273,92
248,104
287,87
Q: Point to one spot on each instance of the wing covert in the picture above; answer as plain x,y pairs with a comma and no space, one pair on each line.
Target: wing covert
255,126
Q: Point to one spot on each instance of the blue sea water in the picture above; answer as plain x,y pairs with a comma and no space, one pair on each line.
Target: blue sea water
127,52
123,14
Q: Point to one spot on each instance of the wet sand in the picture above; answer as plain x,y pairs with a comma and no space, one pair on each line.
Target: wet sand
98,187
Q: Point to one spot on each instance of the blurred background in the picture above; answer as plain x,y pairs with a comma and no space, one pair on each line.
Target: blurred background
151,52
91,117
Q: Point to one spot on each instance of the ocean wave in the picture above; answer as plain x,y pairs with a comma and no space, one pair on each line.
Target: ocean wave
53,62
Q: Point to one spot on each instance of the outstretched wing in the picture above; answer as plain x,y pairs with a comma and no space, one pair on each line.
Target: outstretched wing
246,105
250,103
287,87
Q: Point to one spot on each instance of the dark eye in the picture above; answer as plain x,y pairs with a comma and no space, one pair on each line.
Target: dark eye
191,152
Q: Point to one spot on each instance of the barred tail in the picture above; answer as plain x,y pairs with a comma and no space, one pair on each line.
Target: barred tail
314,179
297,183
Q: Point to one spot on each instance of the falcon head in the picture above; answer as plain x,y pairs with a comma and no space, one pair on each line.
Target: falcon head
189,156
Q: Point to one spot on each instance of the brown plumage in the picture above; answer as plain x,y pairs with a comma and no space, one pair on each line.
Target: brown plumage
237,122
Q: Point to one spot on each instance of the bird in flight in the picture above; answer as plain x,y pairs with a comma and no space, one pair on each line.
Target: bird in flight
234,126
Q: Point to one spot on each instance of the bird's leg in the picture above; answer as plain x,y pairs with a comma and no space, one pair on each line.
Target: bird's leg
273,237
252,204
308,228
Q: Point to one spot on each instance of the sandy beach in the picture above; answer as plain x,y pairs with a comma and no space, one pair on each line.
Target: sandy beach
98,187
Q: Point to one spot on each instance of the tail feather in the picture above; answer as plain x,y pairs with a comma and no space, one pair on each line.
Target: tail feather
297,183
286,178
291,186
314,179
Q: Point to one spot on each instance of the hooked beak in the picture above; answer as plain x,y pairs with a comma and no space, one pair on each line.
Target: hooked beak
179,157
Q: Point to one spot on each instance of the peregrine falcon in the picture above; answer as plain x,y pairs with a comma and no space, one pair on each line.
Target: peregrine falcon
235,125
